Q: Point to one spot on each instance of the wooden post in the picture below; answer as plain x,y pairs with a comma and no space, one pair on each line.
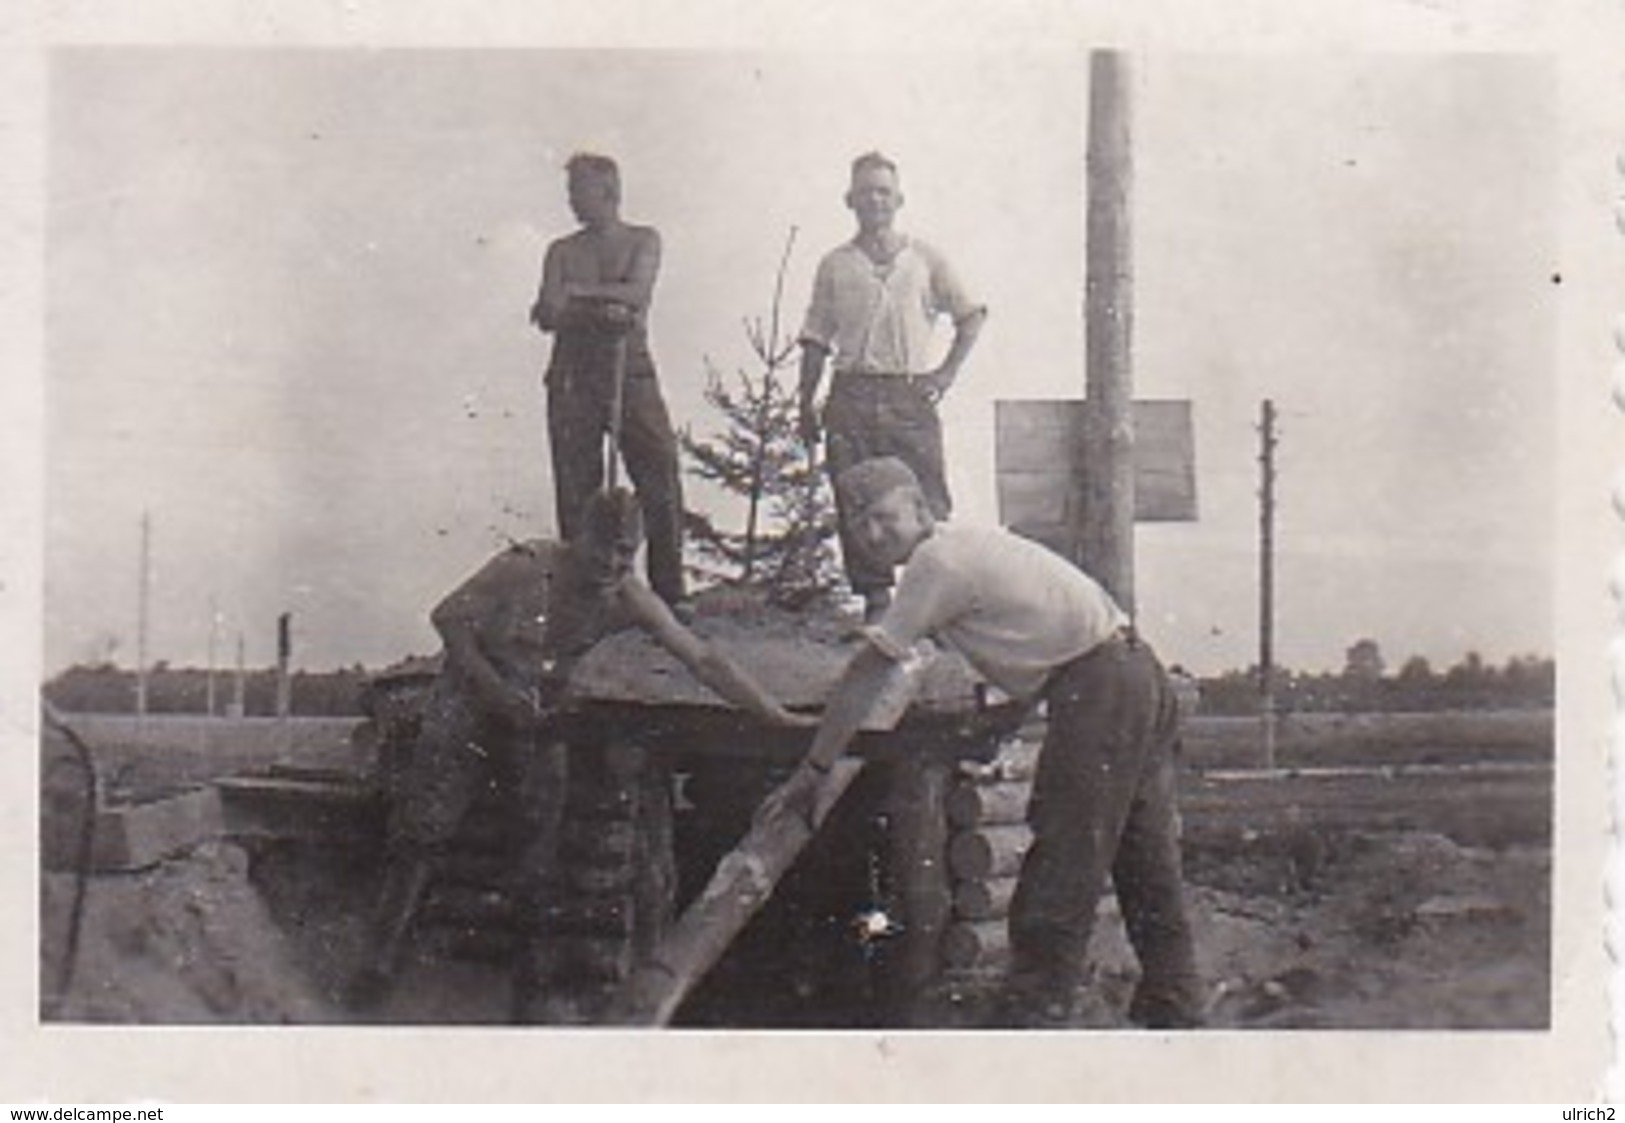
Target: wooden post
917,861
1107,538
654,889
284,684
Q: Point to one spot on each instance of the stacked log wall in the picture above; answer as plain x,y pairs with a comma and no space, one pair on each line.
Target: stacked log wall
986,810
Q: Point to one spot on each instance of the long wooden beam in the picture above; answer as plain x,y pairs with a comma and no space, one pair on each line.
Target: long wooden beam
742,884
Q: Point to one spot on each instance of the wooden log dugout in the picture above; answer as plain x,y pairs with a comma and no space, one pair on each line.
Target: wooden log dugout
987,899
970,804
600,879
602,842
978,943
451,903
607,915
600,959
988,852
916,865
483,944
469,868
628,691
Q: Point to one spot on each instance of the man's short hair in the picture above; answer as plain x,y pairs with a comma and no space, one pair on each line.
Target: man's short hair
873,161
592,165
868,482
612,516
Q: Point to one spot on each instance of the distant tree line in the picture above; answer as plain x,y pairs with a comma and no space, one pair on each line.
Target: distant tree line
1365,686
108,689
1362,686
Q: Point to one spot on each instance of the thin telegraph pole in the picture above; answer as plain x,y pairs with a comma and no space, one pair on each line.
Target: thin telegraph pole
239,689
143,597
214,644
1266,581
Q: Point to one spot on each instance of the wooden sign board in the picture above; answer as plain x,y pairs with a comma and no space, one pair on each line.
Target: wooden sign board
1039,463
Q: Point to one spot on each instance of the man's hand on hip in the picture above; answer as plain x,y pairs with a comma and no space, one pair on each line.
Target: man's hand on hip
937,384
811,432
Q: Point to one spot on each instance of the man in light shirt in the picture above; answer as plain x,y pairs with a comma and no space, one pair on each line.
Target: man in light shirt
1104,797
875,302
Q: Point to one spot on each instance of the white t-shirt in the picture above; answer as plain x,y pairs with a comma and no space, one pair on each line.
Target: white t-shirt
876,318
1011,607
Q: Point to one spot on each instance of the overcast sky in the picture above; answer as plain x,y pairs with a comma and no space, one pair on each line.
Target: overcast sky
287,297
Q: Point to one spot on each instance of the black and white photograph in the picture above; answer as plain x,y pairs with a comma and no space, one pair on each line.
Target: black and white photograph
1016,546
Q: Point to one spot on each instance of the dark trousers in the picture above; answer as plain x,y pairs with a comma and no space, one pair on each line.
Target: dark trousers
868,416
461,754
1105,801
578,409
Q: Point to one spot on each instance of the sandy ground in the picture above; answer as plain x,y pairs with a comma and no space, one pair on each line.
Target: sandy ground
1403,930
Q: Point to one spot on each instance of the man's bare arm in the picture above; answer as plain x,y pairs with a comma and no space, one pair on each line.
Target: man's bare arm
636,289
548,311
966,331
805,794
813,356
727,678
514,704
458,619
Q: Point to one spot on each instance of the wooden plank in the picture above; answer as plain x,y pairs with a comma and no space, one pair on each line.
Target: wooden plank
1164,461
797,659
143,834
1038,437
1038,498
1040,471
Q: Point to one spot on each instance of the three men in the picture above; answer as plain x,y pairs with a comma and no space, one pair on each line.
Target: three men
597,286
1104,798
873,306
511,633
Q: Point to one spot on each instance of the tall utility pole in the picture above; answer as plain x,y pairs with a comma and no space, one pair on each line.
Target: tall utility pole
143,595
1107,539
1266,580
239,689
214,642
284,651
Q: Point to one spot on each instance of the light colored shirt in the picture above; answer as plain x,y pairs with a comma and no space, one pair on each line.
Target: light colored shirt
877,318
1011,607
